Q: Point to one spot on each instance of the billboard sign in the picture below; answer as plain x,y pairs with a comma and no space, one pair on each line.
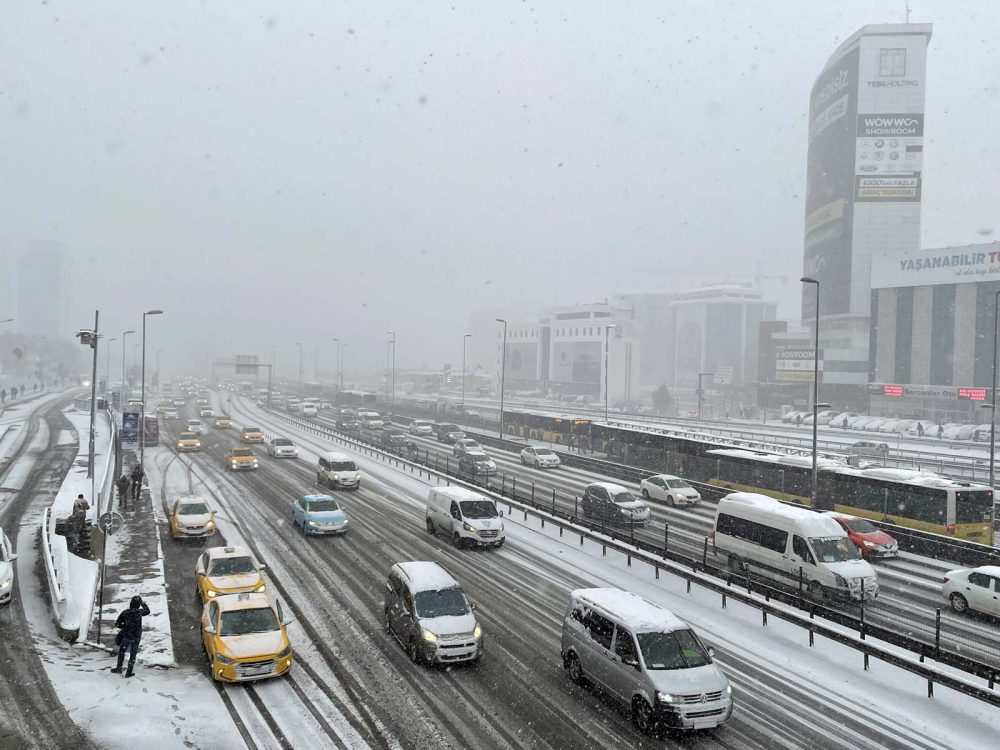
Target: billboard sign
246,364
130,427
796,365
955,265
723,375
833,112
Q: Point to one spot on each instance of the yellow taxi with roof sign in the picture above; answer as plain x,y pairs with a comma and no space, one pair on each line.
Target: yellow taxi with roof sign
244,638
227,570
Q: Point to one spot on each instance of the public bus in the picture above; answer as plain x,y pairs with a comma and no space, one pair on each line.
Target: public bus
356,398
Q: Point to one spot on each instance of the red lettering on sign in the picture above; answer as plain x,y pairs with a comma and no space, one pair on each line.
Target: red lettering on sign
893,390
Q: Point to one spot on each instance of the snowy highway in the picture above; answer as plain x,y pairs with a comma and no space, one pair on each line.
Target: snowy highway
518,697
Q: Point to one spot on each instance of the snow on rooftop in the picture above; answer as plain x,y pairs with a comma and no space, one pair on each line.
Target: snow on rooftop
458,493
427,576
809,523
631,610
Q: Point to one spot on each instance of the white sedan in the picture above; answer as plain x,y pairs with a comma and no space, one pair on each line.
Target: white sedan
280,447
666,488
540,457
975,589
196,426
421,427
7,558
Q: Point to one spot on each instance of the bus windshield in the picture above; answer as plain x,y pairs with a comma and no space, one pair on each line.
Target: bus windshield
973,507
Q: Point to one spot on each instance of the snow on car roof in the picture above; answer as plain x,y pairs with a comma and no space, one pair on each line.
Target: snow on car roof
611,487
427,576
229,602
631,610
810,523
334,456
217,552
990,570
189,499
665,477
458,493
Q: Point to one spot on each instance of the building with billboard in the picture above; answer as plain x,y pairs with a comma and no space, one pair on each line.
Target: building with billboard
865,163
932,325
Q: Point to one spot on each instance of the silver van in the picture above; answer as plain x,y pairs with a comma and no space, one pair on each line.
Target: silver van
645,657
465,517
428,613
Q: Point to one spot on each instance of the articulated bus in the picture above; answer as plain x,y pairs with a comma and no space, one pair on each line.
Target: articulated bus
549,427
911,499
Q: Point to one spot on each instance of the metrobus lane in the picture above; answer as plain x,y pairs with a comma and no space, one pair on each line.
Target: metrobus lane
836,713
300,710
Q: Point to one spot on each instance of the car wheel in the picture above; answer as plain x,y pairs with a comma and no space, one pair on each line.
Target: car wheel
319,480
959,603
430,527
457,540
642,715
386,622
537,465
670,500
645,494
575,669
523,462
412,651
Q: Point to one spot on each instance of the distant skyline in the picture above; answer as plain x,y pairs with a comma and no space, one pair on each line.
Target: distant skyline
313,171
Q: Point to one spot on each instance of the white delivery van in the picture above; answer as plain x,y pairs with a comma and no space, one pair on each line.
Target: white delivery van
337,471
465,517
790,544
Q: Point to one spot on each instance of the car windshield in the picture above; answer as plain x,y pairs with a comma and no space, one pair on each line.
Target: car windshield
319,506
194,423
242,453
478,509
441,603
678,484
251,429
232,566
282,441
192,509
343,466
623,497
418,423
247,621
833,549
680,649
861,526
188,436
543,452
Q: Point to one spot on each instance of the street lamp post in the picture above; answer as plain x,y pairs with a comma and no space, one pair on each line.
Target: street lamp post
607,383
503,369
142,422
299,344
993,411
701,393
815,474
465,340
391,372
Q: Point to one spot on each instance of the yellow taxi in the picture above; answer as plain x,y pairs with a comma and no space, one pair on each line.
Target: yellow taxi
188,441
239,458
206,411
222,422
244,638
251,435
227,570
191,517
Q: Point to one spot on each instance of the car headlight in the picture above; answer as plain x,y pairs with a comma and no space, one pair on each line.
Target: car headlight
501,527
211,594
311,523
468,527
260,589
254,462
840,580
478,632
234,464
430,637
210,525
5,584
867,543
224,659
624,511
336,476
729,690
344,522
668,698
287,651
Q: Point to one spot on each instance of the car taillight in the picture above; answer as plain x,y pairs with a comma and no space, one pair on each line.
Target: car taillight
951,528
713,537
944,580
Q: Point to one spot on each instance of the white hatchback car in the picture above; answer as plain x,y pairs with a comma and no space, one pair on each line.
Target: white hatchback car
666,488
976,589
7,557
196,426
540,457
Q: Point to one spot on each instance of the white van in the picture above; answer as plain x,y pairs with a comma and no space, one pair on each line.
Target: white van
645,657
465,517
337,471
790,544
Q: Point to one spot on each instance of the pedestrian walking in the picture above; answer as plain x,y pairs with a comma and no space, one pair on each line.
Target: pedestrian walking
920,430
129,624
74,527
137,476
940,431
122,484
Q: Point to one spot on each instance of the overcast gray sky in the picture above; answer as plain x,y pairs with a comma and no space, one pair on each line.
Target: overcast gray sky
278,172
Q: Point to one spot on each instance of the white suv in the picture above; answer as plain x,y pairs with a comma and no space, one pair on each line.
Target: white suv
338,470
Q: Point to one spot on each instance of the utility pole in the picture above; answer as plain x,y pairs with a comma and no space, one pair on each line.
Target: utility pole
392,372
503,369
607,383
465,340
142,421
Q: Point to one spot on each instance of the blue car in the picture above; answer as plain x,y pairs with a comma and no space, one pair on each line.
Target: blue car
319,514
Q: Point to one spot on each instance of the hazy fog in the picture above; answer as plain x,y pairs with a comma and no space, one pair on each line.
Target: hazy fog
277,172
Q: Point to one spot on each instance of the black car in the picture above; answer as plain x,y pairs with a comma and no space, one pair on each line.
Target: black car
476,463
395,438
348,424
867,446
612,503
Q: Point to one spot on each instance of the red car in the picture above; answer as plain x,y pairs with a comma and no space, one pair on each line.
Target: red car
869,539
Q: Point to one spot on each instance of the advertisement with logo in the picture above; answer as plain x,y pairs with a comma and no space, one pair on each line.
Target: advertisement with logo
890,144
796,365
522,361
953,265
130,427
833,119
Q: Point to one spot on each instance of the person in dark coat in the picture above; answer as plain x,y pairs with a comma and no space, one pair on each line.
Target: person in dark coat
129,624
123,483
74,527
137,475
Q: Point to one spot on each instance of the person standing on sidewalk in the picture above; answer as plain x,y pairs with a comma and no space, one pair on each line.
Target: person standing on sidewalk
137,476
81,502
129,624
122,484
74,527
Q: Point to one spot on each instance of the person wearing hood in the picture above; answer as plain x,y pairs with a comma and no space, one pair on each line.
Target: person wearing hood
129,624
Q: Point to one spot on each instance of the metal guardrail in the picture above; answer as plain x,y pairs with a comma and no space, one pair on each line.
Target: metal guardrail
688,568
56,591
